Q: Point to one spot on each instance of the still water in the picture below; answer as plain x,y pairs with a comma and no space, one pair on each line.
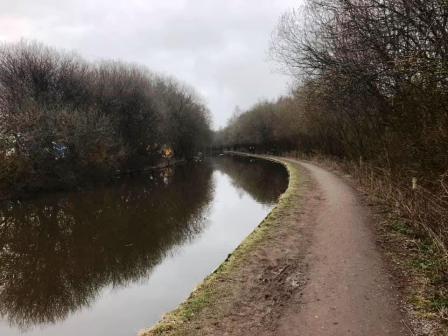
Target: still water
113,260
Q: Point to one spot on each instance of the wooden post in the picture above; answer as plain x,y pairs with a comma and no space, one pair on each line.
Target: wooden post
414,183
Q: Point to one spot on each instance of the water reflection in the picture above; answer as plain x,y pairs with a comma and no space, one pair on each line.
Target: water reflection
262,179
57,252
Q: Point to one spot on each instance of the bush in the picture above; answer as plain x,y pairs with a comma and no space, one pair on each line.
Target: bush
66,122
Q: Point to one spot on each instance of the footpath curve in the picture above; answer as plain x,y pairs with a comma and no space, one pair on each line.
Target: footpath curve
311,268
348,291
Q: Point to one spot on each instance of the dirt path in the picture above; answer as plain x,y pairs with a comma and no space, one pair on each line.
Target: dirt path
347,291
312,268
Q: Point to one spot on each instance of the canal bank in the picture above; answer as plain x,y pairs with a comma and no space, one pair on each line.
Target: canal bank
311,268
259,277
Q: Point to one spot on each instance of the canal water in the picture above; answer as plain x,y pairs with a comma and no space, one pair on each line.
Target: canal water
112,260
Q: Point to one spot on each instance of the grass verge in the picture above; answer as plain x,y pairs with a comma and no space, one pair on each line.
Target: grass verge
216,288
420,269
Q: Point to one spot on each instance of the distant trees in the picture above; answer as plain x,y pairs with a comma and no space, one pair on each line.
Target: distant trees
267,126
63,120
372,81
371,91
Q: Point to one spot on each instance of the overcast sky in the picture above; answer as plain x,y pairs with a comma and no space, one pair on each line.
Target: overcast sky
220,47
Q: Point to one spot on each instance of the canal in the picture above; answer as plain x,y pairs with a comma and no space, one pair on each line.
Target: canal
112,260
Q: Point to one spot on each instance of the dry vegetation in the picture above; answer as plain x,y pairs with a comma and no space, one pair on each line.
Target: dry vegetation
371,93
372,88
414,249
64,121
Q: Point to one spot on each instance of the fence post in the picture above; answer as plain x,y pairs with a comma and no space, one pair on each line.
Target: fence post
414,183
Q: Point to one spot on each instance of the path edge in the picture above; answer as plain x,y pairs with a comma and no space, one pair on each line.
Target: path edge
204,296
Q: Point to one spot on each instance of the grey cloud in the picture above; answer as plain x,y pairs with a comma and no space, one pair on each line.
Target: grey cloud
218,46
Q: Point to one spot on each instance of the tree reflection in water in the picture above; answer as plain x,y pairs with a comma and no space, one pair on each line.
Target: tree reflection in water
57,252
263,180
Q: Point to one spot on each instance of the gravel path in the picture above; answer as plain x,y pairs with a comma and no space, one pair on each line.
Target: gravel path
348,291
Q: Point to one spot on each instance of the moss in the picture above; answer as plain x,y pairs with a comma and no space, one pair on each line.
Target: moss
207,296
400,227
195,305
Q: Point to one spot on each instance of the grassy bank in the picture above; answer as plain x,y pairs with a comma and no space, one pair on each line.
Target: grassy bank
210,300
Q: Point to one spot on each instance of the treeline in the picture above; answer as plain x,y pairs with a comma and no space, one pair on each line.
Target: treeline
370,97
371,84
64,121
371,92
266,127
